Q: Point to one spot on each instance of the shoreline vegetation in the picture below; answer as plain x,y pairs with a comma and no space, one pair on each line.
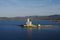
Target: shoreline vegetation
51,18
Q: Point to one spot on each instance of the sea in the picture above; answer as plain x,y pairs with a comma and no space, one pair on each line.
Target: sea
10,30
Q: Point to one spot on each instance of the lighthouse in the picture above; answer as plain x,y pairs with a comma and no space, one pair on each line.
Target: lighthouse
28,23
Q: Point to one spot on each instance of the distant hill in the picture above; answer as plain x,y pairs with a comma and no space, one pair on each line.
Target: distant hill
54,16
51,17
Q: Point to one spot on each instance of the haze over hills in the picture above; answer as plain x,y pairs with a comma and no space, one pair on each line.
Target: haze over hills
36,17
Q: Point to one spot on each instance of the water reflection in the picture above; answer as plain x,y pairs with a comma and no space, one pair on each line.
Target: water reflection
35,33
29,32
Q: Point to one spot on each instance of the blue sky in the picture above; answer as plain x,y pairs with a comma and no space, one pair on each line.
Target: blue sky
12,8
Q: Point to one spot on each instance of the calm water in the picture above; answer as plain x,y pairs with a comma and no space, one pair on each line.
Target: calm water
9,30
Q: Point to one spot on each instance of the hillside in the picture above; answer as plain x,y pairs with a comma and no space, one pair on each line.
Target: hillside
51,17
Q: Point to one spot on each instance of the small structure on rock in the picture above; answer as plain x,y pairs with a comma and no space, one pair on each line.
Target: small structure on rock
29,24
